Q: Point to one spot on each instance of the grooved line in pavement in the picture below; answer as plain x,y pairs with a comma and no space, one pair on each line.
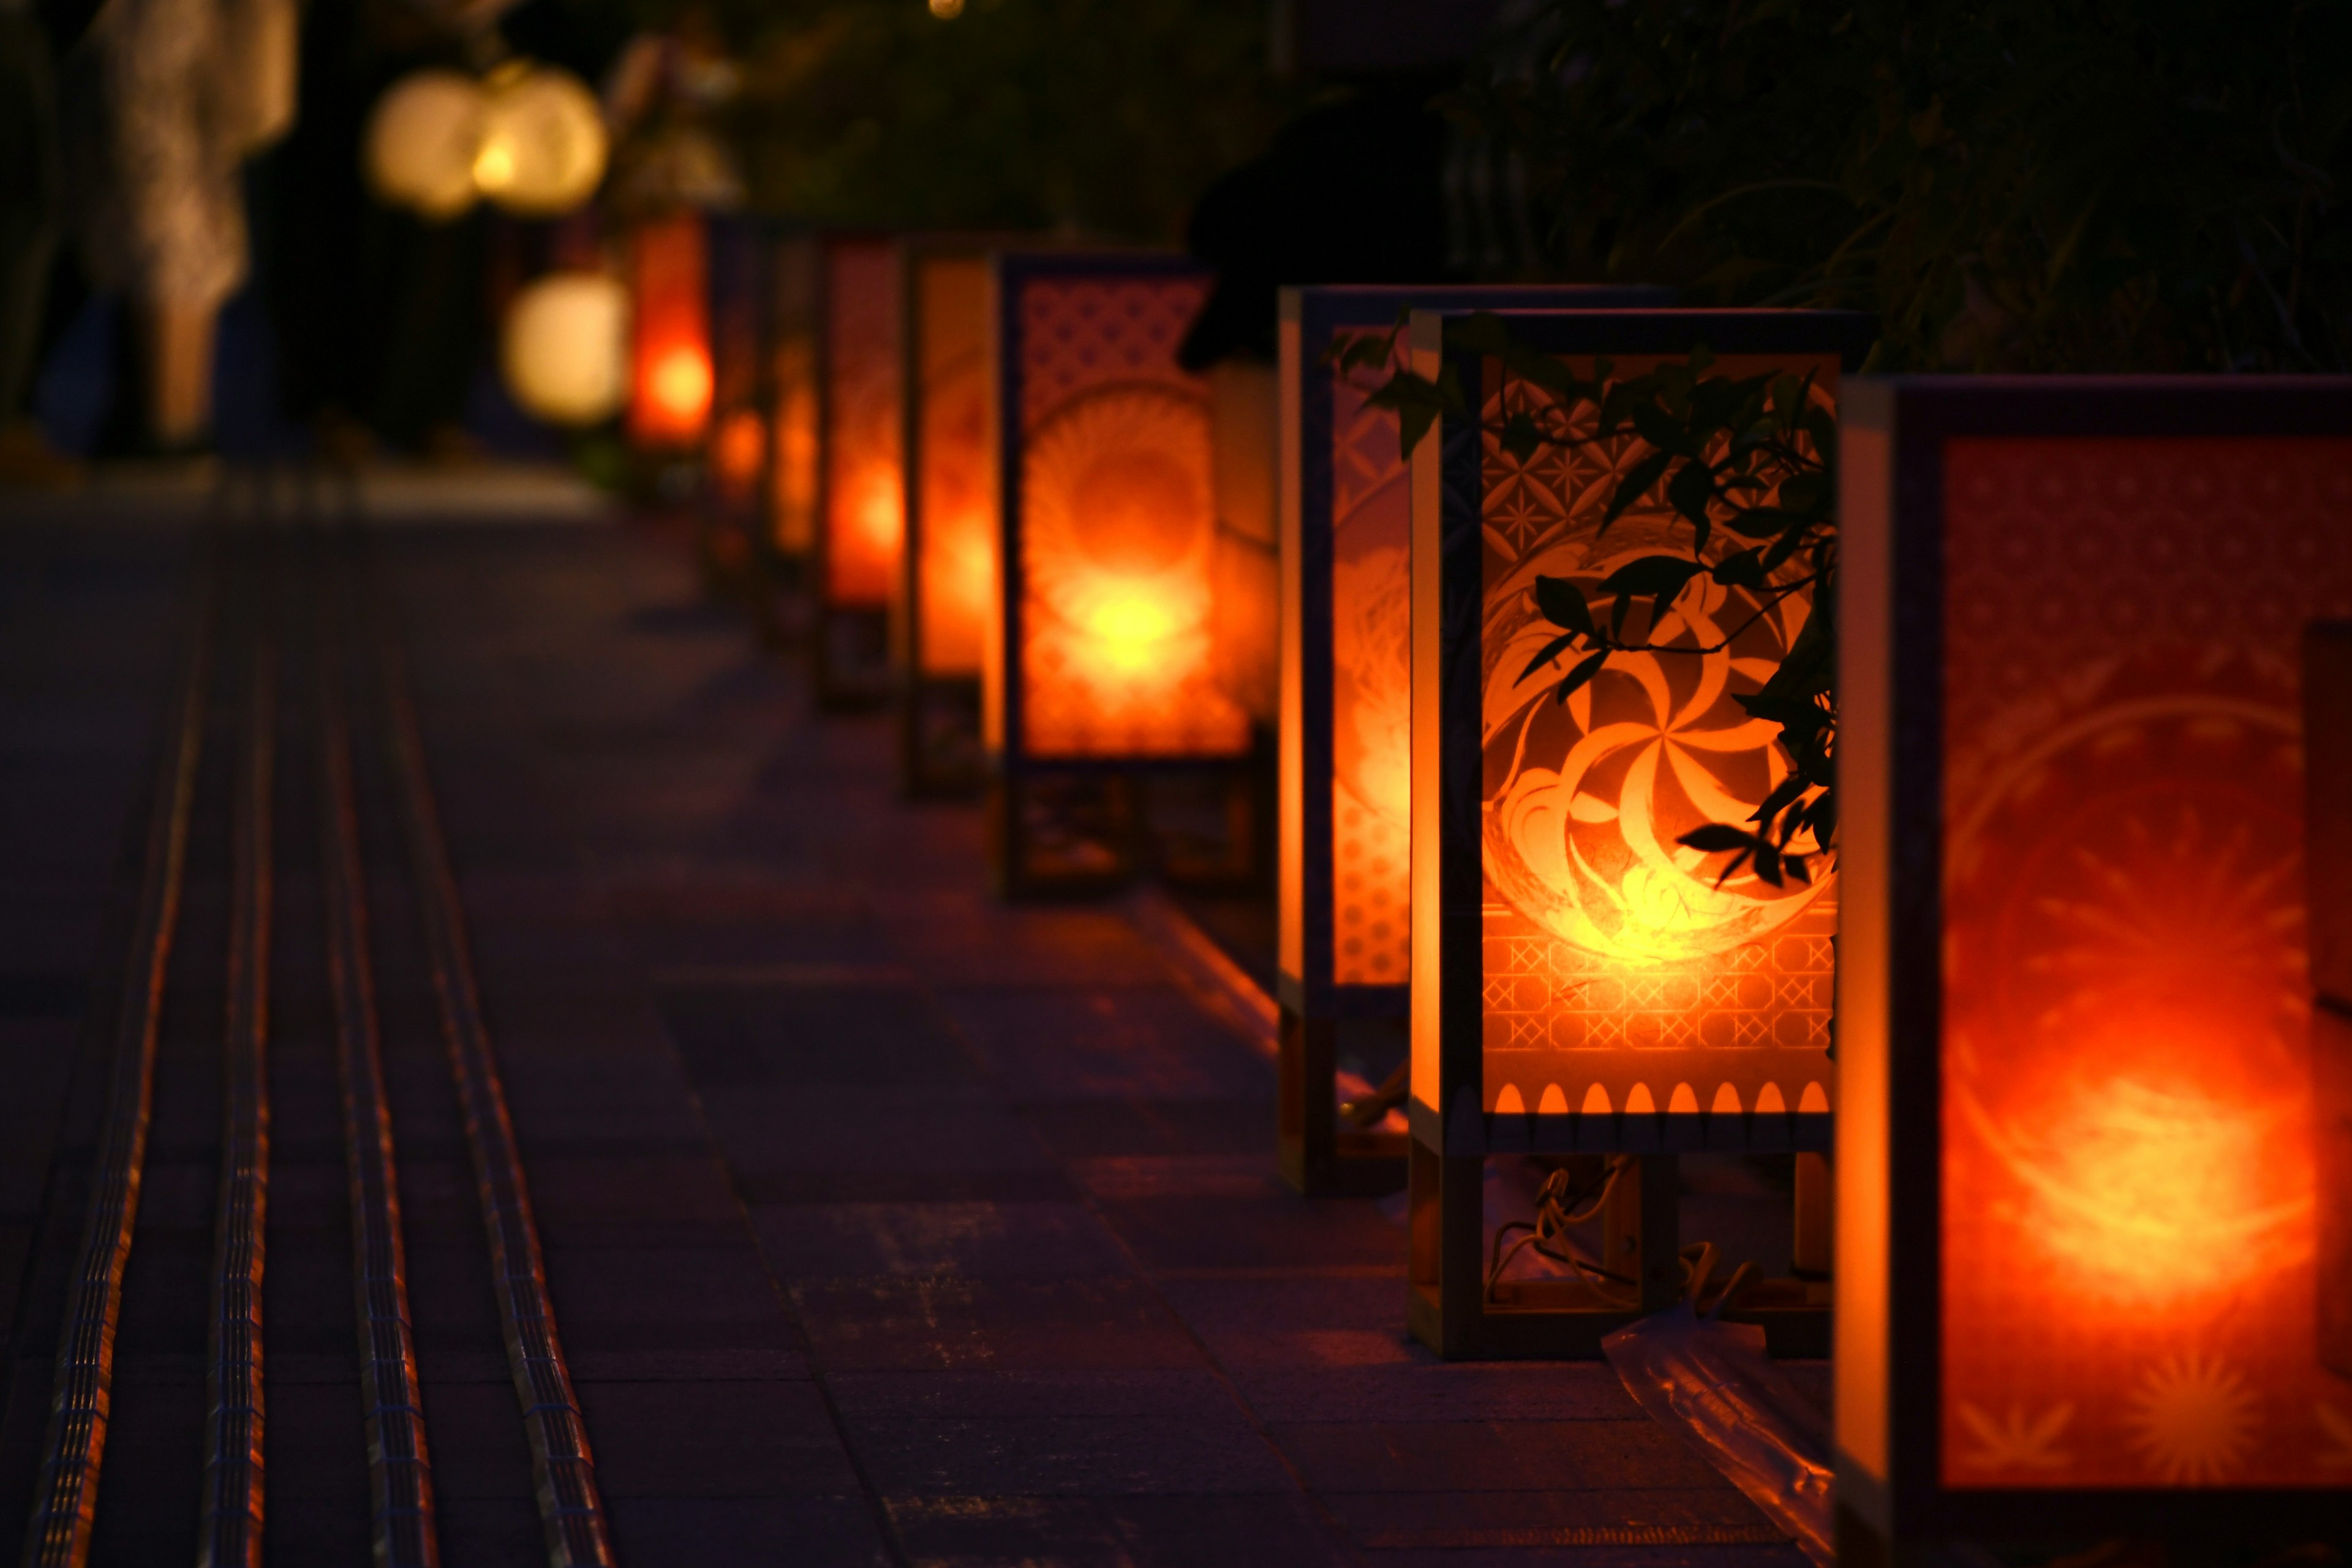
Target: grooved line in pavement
400,1468
229,1535
565,1475
66,1495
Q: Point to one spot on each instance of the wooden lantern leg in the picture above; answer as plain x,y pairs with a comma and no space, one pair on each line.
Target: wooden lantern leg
1641,1229
1446,1272
1318,1155
1815,1240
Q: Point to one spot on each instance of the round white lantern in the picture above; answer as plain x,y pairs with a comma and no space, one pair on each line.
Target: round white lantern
565,353
543,145
423,139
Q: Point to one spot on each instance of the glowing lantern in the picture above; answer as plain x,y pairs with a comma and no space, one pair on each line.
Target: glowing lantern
670,406
1101,667
861,505
1345,944
565,349
793,436
1581,984
542,142
951,515
2077,1225
422,137
1244,576
737,459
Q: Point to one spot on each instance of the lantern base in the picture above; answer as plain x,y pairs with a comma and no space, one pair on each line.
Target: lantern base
853,658
1320,1153
1204,827
939,751
1455,1311
1061,834
2331,1038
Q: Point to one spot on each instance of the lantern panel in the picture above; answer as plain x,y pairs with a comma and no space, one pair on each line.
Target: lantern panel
738,429
2126,1069
955,577
670,388
865,504
1112,538
1621,978
792,437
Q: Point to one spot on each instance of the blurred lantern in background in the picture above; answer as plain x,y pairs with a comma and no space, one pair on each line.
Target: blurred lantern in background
1244,573
531,139
1101,683
737,251
793,289
1344,946
565,348
2094,848
862,517
543,143
423,137
1584,983
946,608
670,376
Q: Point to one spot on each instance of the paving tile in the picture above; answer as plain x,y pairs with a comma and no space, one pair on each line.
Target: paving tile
1470,1521
767,1035
474,1434
840,1128
1154,1127
1268,1230
488,1531
737,1439
629,1299
981,1240
900,1324
705,1532
646,1201
1358,1376
1491,1455
1140,1041
1246,1531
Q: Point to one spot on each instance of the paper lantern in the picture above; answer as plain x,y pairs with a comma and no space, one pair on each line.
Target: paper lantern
2079,1213
669,404
1245,572
946,606
736,463
1102,665
1582,983
1344,943
565,350
542,145
421,139
862,516
793,435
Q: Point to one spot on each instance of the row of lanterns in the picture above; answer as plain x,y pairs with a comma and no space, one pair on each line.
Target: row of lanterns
529,138
2089,1125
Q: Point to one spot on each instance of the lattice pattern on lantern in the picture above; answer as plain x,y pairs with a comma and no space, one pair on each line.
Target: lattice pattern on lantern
1371,693
1619,976
955,577
865,504
1116,525
2126,1065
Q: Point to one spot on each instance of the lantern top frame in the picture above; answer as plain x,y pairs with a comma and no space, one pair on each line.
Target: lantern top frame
1890,1146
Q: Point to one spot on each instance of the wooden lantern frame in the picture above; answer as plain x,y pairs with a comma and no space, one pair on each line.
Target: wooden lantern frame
1318,1156
1449,1309
788,487
1118,784
854,669
1890,1138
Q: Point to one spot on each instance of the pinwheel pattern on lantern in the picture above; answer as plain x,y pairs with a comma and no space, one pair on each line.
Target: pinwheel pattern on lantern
1603,933
1117,529
865,521
956,580
2126,1065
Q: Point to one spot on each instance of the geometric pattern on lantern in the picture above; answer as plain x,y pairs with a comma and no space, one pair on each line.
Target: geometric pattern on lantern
1118,524
865,524
2129,1286
1371,693
1617,969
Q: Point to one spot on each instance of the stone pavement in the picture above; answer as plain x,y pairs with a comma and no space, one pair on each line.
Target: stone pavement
885,1223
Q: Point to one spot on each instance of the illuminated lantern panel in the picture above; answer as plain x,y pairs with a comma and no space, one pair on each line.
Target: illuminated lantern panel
2108,1008
863,507
1107,658
736,455
1609,990
670,384
1345,942
792,435
947,604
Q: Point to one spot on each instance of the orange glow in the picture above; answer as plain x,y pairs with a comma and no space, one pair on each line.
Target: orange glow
866,524
671,331
793,479
2128,1291
956,479
740,449
1131,631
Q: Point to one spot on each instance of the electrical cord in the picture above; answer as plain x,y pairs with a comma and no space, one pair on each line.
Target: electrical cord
1556,1211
